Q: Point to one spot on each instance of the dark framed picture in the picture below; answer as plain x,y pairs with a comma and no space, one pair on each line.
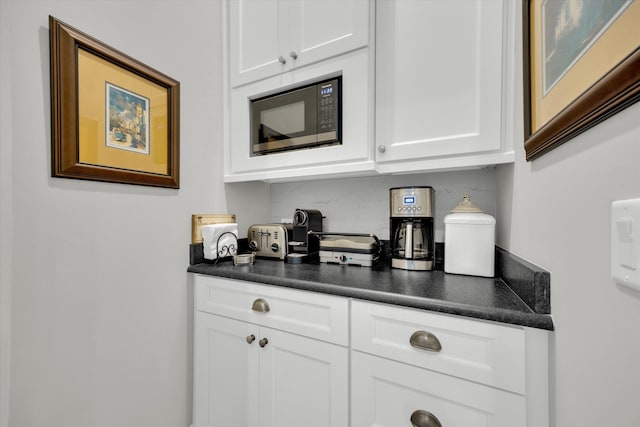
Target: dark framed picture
113,118
581,66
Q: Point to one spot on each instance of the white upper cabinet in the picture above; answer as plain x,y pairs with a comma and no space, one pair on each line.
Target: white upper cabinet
268,37
434,89
441,84
274,46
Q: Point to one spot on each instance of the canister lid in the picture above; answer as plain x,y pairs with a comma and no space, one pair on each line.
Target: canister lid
466,205
468,213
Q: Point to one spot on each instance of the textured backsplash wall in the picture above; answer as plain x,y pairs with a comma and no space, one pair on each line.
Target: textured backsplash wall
361,205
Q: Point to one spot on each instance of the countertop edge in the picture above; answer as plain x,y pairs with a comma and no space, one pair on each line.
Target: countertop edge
530,319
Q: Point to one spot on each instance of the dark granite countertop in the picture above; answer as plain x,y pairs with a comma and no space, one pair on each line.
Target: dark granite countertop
476,297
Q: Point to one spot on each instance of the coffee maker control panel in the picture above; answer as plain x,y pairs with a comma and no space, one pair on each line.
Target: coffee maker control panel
409,205
412,201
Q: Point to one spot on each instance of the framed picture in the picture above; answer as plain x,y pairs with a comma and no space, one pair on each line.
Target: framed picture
581,66
112,118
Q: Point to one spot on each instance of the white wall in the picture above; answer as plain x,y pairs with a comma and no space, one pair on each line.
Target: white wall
5,219
556,213
94,279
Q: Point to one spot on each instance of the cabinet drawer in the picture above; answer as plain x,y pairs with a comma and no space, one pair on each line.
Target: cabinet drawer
475,350
388,393
310,314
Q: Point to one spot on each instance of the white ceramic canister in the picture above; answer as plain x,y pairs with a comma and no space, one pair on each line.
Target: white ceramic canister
469,240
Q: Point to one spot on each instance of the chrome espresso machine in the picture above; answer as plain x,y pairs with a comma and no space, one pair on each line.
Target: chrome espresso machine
411,232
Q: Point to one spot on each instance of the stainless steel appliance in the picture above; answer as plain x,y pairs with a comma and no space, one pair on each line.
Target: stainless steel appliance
269,240
302,117
349,248
411,232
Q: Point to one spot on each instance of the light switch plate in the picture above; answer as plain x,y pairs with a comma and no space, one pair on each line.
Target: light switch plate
625,242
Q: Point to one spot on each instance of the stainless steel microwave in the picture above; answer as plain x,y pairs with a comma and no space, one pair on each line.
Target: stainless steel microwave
303,117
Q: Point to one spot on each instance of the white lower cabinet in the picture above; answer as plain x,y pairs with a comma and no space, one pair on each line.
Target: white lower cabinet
247,374
273,356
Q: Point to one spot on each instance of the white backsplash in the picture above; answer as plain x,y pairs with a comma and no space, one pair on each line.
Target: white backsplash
361,205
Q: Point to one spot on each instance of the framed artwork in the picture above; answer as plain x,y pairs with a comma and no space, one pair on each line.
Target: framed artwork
112,118
581,66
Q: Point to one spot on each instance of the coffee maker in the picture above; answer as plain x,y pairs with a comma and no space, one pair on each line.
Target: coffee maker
411,233
304,247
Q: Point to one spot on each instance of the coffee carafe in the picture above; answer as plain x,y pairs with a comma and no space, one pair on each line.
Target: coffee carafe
411,233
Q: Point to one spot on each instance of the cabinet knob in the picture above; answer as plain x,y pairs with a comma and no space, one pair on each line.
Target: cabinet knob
263,342
421,418
251,338
260,305
282,60
425,341
293,55
381,148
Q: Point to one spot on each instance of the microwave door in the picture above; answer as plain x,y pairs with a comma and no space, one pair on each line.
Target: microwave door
284,122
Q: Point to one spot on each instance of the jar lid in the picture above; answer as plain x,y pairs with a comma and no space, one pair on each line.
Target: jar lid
466,205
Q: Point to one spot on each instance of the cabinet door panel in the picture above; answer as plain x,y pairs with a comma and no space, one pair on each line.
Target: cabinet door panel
225,372
387,393
303,382
439,78
322,29
254,37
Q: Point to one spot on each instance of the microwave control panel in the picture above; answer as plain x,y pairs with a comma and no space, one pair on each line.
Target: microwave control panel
328,105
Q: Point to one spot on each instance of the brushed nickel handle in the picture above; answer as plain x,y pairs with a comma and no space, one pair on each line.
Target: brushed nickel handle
263,342
282,60
422,418
381,148
425,341
260,305
293,55
251,338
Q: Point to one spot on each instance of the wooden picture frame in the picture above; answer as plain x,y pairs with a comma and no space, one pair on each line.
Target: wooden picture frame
113,118
602,80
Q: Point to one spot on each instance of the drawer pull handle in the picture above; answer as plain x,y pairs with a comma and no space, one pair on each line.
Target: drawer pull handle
251,338
421,418
425,340
263,342
260,306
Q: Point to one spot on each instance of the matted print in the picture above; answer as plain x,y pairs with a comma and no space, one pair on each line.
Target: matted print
127,115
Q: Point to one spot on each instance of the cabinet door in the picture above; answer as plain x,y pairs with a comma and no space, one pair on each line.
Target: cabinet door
320,29
255,31
225,373
388,393
439,81
303,382
268,37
